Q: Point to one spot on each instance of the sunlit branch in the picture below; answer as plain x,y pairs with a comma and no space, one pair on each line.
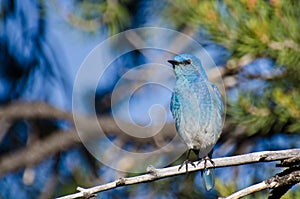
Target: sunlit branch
155,174
288,178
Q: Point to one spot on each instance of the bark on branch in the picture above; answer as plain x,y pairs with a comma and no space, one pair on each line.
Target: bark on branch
280,183
155,174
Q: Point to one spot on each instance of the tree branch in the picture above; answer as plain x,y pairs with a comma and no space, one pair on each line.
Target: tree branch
285,180
24,110
63,139
31,110
155,174
38,151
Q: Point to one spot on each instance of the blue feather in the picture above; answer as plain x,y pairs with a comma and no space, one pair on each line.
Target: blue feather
208,179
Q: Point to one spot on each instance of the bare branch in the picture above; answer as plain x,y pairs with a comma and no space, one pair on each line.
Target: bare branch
38,151
61,140
29,110
24,110
155,174
33,110
247,191
285,179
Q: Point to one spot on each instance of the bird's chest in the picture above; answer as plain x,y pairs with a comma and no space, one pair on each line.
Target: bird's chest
195,103
195,114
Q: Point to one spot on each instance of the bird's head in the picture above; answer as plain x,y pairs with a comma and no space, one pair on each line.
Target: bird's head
186,64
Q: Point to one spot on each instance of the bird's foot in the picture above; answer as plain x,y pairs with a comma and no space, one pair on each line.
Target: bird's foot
186,162
205,159
207,173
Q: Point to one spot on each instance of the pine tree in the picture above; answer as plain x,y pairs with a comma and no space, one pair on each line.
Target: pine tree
252,29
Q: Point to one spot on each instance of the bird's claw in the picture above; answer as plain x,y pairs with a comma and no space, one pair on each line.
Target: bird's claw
186,162
205,161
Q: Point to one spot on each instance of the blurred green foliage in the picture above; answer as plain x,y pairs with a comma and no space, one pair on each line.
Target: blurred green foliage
254,28
91,15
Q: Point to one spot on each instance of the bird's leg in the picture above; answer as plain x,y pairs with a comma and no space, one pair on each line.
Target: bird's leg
209,158
187,161
208,176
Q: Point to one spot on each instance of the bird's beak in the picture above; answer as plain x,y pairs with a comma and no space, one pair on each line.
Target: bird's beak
173,62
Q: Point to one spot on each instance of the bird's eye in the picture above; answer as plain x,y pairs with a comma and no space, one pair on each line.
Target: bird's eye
186,62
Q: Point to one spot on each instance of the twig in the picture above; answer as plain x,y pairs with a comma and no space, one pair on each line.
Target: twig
288,177
155,174
247,191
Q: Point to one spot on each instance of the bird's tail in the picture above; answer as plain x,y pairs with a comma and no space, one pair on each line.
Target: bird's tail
208,178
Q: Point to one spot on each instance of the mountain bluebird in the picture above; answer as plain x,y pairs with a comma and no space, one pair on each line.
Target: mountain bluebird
197,108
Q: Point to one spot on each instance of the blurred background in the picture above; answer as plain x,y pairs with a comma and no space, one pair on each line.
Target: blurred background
255,45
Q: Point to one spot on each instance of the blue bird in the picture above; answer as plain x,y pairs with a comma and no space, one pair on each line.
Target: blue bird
197,109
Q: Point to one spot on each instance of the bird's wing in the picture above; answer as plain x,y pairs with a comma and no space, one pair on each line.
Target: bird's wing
175,109
219,100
